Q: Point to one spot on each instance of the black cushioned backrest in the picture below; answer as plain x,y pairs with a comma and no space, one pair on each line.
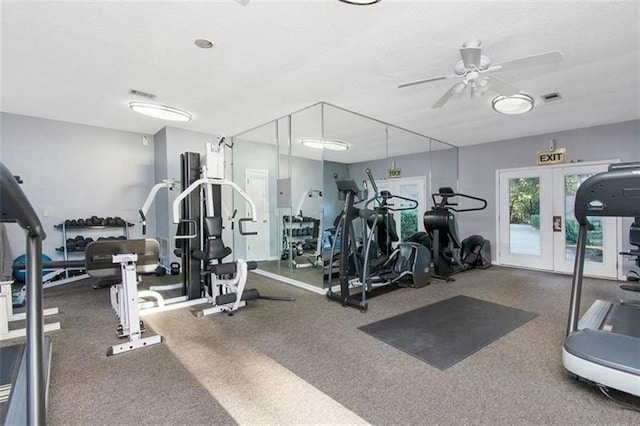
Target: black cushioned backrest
213,226
215,246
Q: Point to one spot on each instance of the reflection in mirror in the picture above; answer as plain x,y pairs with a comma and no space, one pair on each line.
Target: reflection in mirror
302,204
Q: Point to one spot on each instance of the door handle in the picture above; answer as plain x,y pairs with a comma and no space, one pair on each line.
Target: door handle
557,224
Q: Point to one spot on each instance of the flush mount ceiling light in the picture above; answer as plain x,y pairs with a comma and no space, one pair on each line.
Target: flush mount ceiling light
324,144
360,2
163,112
512,105
204,43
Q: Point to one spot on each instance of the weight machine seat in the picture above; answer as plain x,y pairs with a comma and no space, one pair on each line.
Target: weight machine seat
215,248
99,256
445,222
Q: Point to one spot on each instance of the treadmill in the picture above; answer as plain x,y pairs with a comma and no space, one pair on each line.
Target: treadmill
604,346
25,368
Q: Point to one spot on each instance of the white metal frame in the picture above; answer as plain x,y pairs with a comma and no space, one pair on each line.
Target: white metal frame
124,300
7,316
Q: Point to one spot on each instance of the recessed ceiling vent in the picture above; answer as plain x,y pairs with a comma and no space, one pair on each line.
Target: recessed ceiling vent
142,94
555,96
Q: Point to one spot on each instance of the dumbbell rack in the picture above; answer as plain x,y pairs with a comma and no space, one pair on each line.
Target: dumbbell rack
67,229
294,234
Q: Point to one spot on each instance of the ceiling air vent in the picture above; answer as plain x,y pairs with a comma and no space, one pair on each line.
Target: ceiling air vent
551,97
142,94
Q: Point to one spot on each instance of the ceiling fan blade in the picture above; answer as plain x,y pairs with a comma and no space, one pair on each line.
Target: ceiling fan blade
501,86
471,56
456,89
527,61
427,80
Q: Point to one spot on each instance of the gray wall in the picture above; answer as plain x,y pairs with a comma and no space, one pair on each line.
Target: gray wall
478,165
73,171
441,166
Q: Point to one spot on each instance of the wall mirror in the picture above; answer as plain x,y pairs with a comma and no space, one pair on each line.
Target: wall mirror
288,166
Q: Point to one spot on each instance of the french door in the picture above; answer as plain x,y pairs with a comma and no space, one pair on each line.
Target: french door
536,223
408,221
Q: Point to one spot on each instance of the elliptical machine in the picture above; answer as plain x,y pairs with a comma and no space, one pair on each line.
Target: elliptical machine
450,256
406,266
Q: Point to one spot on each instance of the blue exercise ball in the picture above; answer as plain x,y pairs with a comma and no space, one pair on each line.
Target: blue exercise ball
20,274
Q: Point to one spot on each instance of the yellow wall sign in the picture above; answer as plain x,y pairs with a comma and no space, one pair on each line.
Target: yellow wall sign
393,173
551,156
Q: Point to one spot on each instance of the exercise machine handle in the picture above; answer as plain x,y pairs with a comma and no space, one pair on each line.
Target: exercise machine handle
414,206
143,219
372,180
242,231
194,232
445,204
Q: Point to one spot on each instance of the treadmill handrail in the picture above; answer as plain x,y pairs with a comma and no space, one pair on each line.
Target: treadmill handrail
15,207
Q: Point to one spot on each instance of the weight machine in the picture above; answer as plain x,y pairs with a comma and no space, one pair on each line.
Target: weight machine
198,212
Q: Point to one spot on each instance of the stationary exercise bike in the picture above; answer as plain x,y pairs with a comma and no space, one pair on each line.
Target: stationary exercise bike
450,255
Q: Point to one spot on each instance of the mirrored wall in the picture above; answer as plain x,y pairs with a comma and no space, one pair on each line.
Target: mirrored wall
289,168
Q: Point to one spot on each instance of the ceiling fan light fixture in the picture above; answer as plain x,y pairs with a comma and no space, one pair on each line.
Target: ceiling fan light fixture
512,105
325,144
163,112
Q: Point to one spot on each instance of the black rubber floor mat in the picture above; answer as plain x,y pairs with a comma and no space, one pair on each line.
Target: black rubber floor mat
444,333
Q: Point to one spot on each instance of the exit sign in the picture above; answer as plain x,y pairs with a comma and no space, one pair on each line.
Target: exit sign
551,156
393,173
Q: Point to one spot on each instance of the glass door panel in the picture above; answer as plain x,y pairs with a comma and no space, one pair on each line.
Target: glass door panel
601,253
524,237
524,216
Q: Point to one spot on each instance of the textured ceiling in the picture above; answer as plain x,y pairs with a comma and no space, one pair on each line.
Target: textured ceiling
76,61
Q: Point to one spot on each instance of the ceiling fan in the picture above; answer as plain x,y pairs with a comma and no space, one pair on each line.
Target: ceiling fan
476,72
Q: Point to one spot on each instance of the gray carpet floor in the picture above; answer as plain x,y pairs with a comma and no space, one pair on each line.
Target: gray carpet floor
305,362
